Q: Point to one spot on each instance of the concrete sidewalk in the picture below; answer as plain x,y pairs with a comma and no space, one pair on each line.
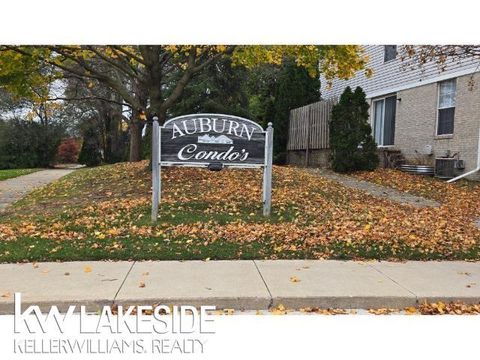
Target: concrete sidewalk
375,190
239,285
14,189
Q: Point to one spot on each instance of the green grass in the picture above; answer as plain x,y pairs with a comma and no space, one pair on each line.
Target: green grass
13,173
213,216
158,248
165,247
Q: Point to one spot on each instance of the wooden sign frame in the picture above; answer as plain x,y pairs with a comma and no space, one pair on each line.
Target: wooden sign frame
266,162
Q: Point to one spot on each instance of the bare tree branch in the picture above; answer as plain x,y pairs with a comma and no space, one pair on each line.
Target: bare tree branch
417,56
87,98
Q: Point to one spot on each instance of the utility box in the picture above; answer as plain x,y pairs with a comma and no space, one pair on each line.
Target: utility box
445,168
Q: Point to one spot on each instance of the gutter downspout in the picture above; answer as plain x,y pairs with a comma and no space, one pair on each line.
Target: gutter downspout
478,163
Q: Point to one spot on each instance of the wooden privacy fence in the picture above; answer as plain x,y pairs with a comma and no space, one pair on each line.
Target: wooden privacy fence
308,128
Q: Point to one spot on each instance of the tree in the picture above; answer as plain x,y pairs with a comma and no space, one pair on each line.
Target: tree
151,79
266,93
90,154
221,88
294,88
32,128
261,88
351,142
107,117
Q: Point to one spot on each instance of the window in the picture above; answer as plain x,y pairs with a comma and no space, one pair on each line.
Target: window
446,106
389,52
384,120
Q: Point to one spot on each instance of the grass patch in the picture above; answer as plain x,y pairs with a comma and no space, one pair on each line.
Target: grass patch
29,249
13,173
104,213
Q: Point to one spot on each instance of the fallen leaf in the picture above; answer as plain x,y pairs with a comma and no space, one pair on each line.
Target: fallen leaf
87,269
279,310
294,279
319,311
382,311
411,310
452,308
141,284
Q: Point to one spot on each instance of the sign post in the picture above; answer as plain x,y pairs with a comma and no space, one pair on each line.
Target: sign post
267,172
214,141
156,168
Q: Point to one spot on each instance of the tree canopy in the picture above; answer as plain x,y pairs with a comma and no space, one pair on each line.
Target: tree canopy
150,79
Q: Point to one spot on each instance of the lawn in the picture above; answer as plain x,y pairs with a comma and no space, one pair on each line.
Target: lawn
104,213
13,173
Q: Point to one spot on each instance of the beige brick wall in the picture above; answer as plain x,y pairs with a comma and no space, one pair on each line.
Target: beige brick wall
416,119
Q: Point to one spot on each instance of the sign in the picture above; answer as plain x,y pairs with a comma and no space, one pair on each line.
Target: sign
214,141
204,139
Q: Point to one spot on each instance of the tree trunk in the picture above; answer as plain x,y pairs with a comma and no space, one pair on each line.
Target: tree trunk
136,125
135,139
107,149
112,148
115,139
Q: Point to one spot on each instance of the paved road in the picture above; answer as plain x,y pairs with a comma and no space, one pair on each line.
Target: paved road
14,189
251,285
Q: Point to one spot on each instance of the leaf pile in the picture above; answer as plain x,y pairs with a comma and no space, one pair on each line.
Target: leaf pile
452,308
105,212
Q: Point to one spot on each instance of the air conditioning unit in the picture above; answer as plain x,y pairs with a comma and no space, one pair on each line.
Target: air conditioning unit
445,167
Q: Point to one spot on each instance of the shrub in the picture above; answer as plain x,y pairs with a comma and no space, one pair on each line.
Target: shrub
28,144
353,147
68,151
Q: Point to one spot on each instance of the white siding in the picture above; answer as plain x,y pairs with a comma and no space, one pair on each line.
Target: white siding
390,77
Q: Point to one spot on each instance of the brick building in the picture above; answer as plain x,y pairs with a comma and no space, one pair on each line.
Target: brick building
425,113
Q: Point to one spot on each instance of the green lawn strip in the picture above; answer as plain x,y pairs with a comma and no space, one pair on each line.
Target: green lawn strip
13,173
155,248
196,248
198,211
159,248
